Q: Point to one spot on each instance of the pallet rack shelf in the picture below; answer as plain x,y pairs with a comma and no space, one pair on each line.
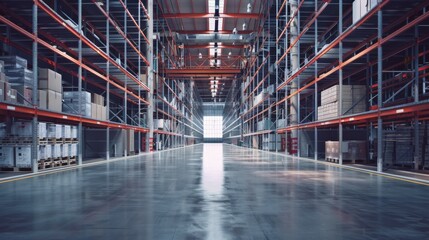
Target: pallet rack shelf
104,48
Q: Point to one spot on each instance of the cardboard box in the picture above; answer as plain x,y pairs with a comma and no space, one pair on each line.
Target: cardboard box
43,99
104,113
94,111
7,156
54,101
23,156
24,93
143,78
99,112
50,80
97,99
11,94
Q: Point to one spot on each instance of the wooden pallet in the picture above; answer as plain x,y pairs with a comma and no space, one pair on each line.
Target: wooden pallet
14,169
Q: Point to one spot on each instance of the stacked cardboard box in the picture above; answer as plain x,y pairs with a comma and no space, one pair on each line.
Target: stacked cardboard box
264,124
158,123
98,110
16,81
353,99
361,8
260,97
351,150
71,103
50,90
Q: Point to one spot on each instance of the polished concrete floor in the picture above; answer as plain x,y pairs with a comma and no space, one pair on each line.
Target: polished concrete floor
213,191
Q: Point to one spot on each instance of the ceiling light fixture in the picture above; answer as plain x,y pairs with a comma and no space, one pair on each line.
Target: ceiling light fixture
249,8
244,26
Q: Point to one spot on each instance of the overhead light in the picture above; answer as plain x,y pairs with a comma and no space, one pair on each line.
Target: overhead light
229,54
249,8
234,31
244,26
241,37
200,55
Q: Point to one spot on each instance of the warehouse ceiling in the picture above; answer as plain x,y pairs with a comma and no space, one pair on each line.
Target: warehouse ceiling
212,36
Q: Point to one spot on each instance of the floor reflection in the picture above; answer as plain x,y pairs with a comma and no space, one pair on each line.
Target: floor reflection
212,186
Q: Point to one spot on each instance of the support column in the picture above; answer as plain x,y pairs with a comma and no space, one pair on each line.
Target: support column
108,79
316,85
79,86
139,115
125,115
150,79
35,127
294,58
380,94
340,80
416,100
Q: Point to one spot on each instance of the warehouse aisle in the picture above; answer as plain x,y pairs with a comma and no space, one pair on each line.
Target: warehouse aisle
213,191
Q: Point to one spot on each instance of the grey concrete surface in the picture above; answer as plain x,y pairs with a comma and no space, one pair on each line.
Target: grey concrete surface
213,191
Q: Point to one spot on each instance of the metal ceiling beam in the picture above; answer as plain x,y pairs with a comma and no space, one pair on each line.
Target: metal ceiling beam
211,15
194,32
220,47
215,72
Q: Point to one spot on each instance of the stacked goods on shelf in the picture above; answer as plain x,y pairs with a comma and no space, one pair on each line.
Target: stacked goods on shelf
352,151
16,81
361,8
260,97
143,79
7,156
50,90
158,123
71,103
270,142
54,142
281,123
264,124
399,146
130,142
264,94
353,101
98,110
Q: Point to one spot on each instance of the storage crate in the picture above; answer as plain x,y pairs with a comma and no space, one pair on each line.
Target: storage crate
23,156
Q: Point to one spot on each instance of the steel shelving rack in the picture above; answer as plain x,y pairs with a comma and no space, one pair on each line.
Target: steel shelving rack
101,47
318,53
177,102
